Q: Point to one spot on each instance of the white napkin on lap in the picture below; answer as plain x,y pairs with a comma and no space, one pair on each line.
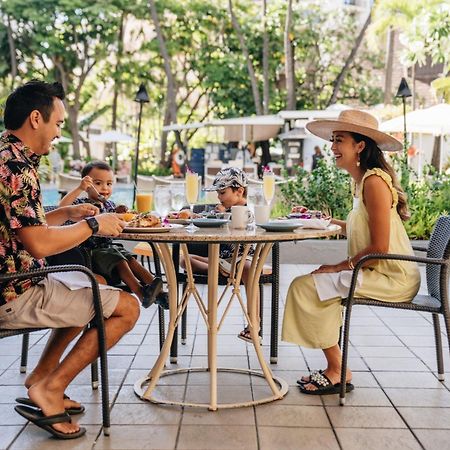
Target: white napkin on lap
336,284
77,280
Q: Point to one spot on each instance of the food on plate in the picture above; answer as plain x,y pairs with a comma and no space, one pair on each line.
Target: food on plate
121,209
299,209
145,220
128,216
302,212
183,214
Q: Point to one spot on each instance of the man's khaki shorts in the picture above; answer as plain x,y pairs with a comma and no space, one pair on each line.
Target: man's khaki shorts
51,304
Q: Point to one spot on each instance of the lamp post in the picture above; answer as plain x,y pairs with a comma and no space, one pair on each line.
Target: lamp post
404,92
141,98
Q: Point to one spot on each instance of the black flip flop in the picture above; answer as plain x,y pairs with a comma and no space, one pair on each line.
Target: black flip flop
324,386
71,411
37,417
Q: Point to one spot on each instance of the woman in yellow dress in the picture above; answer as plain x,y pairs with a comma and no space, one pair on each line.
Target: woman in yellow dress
312,317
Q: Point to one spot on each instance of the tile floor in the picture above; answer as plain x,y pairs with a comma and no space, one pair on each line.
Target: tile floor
398,402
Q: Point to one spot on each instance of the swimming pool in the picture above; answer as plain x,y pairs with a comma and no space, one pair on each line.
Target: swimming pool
120,196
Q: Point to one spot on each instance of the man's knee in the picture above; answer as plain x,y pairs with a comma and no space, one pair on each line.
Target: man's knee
128,308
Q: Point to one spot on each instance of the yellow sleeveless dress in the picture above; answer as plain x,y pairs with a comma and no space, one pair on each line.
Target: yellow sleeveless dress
315,324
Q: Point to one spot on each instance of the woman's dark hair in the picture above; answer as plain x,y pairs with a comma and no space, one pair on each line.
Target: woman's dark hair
34,95
95,165
372,157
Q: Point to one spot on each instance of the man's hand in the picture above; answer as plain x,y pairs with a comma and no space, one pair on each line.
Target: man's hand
110,224
81,211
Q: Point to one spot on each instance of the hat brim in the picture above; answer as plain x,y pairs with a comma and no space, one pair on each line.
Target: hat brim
219,188
325,128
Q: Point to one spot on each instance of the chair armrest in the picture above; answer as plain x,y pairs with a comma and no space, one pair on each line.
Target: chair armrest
419,248
65,268
378,256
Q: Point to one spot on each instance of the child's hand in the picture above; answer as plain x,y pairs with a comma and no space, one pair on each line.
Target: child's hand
220,208
86,183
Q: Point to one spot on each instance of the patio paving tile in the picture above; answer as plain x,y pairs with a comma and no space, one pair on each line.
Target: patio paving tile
352,439
217,437
398,402
364,417
296,438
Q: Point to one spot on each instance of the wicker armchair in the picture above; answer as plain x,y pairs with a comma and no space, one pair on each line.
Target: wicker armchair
435,302
97,322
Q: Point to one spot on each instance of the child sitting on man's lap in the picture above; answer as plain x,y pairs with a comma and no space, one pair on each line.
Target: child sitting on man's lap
110,259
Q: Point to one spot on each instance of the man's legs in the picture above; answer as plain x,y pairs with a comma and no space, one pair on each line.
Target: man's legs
48,392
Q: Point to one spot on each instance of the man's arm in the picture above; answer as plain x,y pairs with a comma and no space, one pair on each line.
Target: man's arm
74,213
43,240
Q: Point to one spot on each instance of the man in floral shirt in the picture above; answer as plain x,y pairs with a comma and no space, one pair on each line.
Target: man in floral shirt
34,114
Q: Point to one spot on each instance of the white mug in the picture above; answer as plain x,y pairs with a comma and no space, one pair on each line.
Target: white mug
239,217
262,213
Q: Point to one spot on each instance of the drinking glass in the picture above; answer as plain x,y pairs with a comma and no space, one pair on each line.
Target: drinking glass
191,196
178,200
255,196
269,186
144,202
161,201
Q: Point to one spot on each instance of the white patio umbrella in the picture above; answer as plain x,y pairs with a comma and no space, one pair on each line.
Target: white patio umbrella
112,137
433,120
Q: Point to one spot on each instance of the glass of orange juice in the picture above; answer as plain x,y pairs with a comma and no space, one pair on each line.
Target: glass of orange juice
144,201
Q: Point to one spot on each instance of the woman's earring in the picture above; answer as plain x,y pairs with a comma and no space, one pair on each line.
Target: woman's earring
358,162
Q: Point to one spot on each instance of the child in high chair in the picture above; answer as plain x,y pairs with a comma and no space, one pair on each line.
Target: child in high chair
231,187
110,259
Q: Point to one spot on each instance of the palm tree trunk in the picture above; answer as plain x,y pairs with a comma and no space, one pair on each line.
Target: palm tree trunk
265,58
250,68
171,104
388,66
340,78
12,52
289,61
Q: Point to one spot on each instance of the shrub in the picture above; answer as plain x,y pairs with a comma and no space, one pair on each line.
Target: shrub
327,188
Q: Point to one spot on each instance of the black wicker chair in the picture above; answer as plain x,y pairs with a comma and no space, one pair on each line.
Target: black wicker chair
435,302
97,322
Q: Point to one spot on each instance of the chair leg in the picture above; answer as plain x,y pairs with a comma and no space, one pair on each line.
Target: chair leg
346,334
275,303
94,375
24,355
438,341
162,326
261,309
184,321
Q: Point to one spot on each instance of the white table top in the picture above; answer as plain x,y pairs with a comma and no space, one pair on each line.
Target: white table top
228,234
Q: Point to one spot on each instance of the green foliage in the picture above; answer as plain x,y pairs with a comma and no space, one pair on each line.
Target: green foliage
428,199
326,188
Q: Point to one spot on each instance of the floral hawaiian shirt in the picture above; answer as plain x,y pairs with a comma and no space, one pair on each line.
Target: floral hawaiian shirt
20,206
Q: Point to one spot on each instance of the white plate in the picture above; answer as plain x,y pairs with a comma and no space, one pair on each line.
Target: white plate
280,225
209,223
179,221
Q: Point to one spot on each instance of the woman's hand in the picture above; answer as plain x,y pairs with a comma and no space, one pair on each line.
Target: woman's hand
332,268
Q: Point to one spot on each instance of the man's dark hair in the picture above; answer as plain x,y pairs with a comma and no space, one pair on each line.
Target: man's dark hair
95,165
34,95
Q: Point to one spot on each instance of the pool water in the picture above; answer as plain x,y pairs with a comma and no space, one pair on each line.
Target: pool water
120,196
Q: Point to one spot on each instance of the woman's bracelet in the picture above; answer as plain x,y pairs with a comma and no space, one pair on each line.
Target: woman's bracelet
350,263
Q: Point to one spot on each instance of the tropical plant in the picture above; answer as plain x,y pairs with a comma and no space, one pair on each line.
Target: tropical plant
326,188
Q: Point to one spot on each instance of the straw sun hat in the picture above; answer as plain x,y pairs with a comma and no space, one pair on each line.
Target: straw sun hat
355,121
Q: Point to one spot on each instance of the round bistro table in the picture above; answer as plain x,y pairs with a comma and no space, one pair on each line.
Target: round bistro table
213,237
